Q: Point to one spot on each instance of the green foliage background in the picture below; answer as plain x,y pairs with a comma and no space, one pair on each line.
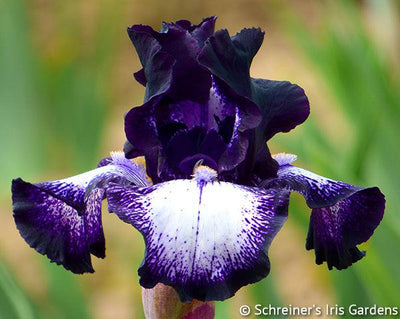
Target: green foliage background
65,84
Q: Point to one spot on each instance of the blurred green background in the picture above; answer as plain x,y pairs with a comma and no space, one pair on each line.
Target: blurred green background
66,82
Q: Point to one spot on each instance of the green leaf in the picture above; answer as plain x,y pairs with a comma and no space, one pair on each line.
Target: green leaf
14,304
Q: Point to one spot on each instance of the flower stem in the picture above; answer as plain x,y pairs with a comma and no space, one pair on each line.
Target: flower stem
163,302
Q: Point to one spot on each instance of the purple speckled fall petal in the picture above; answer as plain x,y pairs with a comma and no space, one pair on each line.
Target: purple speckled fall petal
335,231
92,222
343,216
62,219
52,227
206,239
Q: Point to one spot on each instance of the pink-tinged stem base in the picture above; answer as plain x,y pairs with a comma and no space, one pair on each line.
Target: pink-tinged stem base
163,302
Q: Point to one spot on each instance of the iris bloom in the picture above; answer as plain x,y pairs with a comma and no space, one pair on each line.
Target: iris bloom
217,197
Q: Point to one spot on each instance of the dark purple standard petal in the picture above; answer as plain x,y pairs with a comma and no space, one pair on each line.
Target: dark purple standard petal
141,129
343,216
209,87
206,239
169,59
157,65
62,219
283,105
175,83
229,58
237,116
200,32
168,131
187,147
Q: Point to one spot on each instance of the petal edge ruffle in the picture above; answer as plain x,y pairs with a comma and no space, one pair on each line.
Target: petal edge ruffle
343,215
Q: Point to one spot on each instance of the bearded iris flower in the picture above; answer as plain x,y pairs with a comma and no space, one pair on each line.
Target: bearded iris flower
210,198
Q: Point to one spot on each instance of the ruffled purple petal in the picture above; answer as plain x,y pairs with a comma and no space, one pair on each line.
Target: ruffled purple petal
62,219
204,30
141,129
176,88
157,65
189,113
229,58
235,117
170,129
283,106
211,87
335,231
169,59
200,32
206,239
343,216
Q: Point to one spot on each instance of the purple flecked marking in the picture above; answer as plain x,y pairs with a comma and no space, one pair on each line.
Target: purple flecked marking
200,184
51,227
318,191
219,105
336,230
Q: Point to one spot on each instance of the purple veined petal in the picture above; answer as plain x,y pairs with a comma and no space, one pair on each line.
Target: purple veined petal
62,219
52,227
241,115
343,215
205,238
237,148
219,107
223,103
